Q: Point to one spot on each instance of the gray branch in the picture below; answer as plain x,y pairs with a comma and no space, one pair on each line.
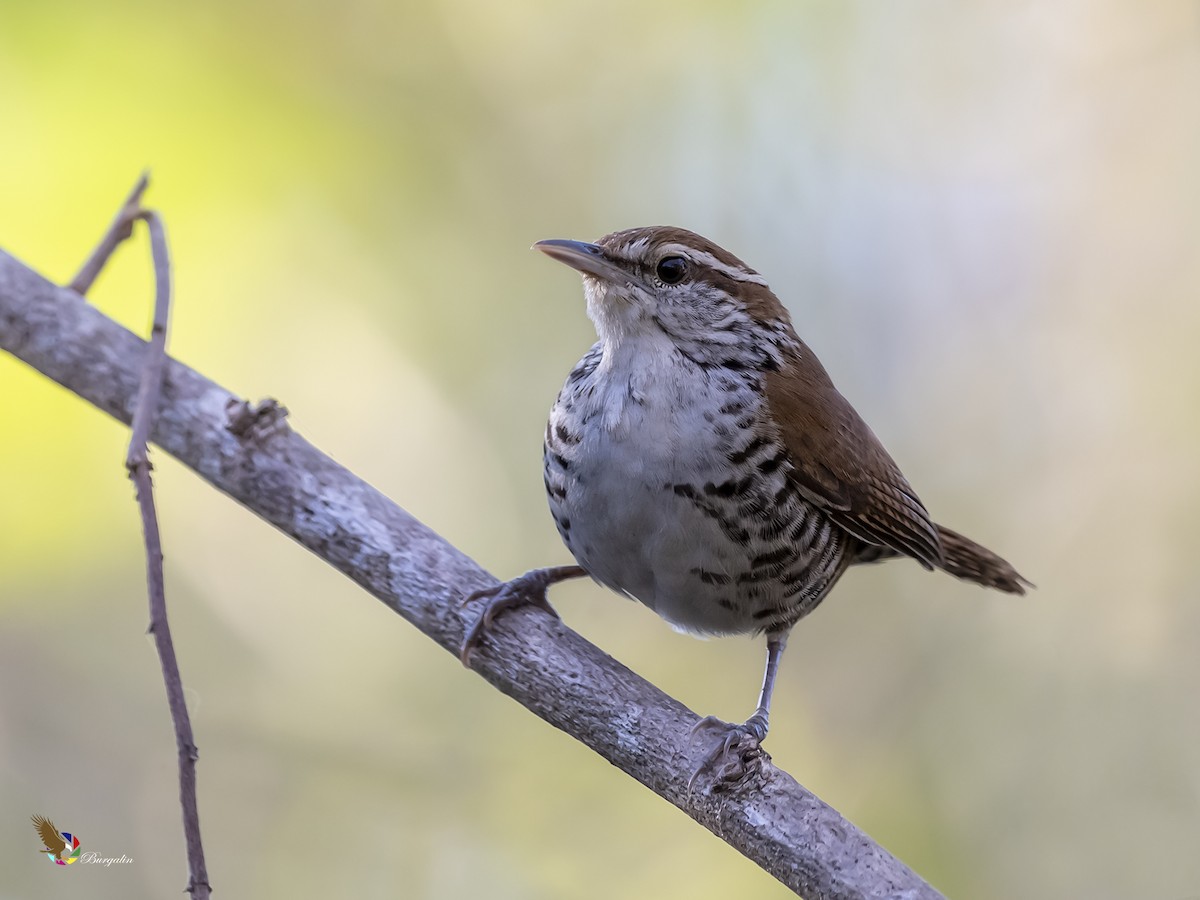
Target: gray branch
252,455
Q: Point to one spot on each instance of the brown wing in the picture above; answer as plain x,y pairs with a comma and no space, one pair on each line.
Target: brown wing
49,834
840,465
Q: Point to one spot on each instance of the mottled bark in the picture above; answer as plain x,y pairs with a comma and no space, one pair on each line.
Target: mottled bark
251,454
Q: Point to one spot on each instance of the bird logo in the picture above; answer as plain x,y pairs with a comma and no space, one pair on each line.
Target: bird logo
62,847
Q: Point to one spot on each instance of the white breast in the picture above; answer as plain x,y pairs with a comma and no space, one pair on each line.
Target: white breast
637,436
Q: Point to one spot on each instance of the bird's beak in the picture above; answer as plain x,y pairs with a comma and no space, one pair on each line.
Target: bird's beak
586,258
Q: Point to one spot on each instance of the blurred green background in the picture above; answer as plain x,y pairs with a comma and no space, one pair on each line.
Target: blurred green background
983,216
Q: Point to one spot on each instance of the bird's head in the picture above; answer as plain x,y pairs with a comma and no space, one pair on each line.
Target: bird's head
663,281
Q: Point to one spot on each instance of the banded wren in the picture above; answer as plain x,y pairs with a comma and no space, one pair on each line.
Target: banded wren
699,460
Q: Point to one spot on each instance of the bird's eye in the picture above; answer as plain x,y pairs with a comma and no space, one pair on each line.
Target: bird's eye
671,269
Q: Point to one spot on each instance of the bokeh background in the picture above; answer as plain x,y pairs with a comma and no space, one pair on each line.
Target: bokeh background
983,215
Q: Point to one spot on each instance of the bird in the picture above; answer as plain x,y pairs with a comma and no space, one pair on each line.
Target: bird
700,460
51,837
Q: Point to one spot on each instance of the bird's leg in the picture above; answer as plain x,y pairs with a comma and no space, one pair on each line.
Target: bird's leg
526,590
760,721
738,747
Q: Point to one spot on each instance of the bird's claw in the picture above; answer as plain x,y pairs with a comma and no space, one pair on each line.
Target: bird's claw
527,590
737,753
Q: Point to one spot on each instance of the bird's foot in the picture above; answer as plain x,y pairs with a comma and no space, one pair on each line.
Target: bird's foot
736,753
526,590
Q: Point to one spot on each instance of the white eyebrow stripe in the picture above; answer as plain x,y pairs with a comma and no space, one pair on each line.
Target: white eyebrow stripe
636,249
707,259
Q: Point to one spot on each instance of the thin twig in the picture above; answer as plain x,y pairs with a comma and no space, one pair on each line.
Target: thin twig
531,656
156,350
137,462
120,230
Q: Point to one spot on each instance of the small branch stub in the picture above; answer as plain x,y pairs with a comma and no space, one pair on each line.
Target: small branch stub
260,419
120,230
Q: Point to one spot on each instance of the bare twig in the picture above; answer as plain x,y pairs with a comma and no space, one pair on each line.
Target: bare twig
120,230
530,656
137,462
156,358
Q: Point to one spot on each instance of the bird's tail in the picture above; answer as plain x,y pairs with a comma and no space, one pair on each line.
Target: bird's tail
969,561
965,559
